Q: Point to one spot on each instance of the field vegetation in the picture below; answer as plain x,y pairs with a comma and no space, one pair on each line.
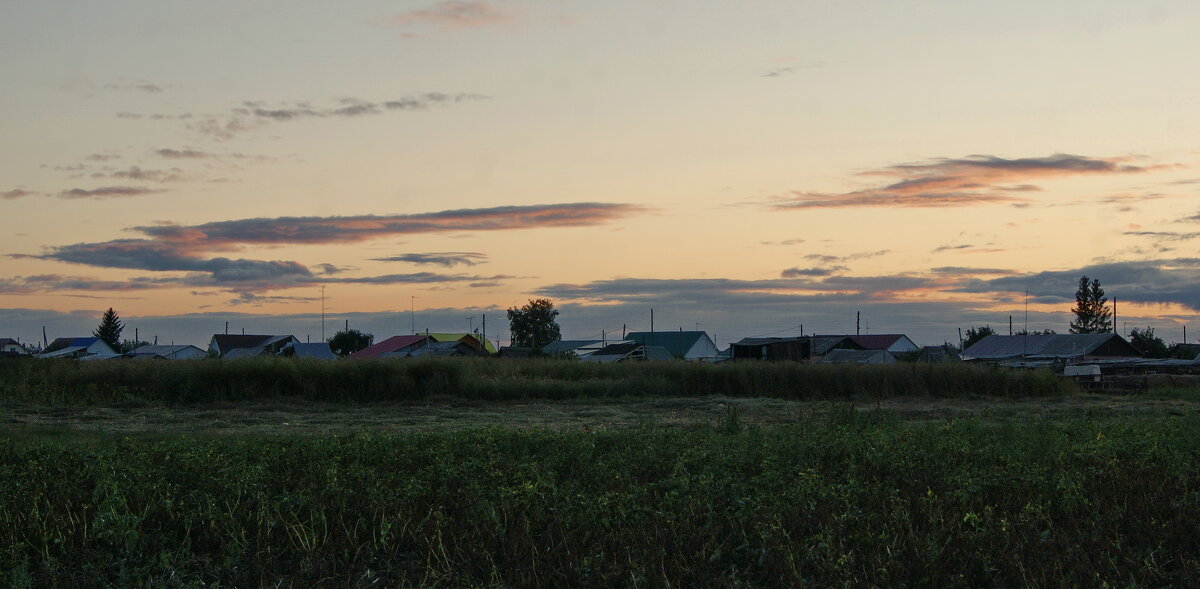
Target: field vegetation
854,498
208,381
551,473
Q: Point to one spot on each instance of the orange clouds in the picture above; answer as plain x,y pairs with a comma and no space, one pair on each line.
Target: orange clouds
976,179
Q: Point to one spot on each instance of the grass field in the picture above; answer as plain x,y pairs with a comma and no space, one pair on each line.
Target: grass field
638,490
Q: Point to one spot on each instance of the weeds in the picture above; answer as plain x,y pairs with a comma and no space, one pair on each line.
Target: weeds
860,499
210,381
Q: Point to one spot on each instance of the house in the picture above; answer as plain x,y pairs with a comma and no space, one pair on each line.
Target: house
822,344
1185,351
1060,346
11,347
247,346
167,352
76,347
472,339
685,345
896,343
628,351
937,354
772,348
838,356
448,349
309,351
397,346
578,348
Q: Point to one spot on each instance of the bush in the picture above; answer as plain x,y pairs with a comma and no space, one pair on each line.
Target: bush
201,381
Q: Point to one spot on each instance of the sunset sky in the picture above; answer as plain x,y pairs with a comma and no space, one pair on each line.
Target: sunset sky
745,171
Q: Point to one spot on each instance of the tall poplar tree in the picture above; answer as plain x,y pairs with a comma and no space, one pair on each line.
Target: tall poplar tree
1092,314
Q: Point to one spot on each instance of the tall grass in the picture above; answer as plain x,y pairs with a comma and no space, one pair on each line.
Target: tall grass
65,382
857,500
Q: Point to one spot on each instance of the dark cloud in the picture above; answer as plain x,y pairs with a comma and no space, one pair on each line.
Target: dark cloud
447,259
1165,235
946,248
178,154
102,157
452,15
330,269
830,259
186,249
137,173
791,69
976,179
242,275
57,283
108,192
724,291
796,241
147,87
253,115
16,193
813,272
312,230
1175,280
970,271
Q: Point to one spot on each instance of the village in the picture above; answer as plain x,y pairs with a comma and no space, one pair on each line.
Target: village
1073,354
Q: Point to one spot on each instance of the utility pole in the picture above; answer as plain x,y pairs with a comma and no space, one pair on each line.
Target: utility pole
1114,314
1010,325
484,318
1025,339
858,323
651,327
412,311
322,312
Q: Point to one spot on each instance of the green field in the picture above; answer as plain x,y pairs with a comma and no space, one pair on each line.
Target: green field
122,487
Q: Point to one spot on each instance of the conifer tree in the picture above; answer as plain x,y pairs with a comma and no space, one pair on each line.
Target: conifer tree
1092,314
109,330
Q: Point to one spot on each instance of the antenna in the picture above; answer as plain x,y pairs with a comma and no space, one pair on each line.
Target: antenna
322,312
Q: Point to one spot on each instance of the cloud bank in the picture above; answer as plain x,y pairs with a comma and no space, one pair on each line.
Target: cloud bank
972,180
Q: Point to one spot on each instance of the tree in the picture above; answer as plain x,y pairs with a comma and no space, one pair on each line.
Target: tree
1149,344
1036,332
533,325
1092,314
348,341
974,334
131,345
109,330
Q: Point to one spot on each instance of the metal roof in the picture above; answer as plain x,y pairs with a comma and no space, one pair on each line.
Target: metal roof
567,345
880,341
316,351
1061,345
169,351
676,342
453,337
389,345
858,357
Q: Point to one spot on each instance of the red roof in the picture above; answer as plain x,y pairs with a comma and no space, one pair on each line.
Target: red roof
391,344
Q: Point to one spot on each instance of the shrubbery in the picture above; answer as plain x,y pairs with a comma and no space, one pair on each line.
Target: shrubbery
860,499
201,381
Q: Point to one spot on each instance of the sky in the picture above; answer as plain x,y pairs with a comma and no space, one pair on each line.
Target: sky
812,166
